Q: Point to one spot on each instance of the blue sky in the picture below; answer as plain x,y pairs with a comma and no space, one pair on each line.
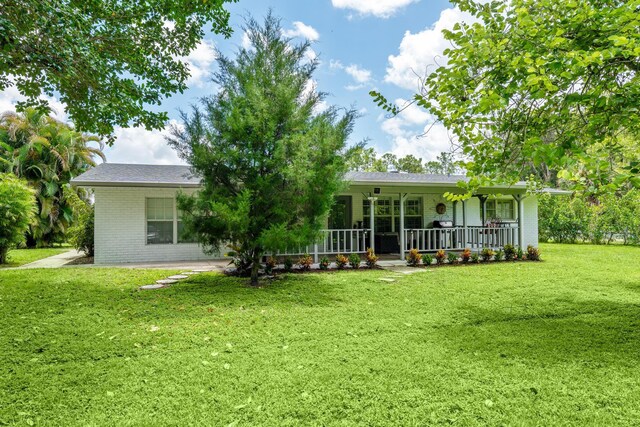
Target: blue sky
361,45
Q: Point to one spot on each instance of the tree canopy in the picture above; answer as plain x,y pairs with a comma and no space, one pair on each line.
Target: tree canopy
48,154
270,159
361,158
107,60
542,82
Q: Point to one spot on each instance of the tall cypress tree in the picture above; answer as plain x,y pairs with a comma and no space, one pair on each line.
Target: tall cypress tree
270,158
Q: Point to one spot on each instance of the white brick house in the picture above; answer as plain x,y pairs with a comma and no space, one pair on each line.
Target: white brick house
136,219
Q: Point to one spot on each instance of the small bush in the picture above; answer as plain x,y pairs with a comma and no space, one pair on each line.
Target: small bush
341,261
475,258
354,261
509,252
288,264
519,254
452,258
371,259
305,262
533,254
324,263
466,255
441,255
17,209
413,259
487,254
270,265
427,259
499,256
81,234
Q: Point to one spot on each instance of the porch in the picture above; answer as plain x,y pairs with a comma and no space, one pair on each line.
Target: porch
384,224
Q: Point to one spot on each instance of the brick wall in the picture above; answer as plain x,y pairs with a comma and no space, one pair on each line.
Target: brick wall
120,229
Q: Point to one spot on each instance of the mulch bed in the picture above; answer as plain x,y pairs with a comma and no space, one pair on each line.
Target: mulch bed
81,261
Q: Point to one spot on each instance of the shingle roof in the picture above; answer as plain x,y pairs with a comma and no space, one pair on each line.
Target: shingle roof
129,175
132,175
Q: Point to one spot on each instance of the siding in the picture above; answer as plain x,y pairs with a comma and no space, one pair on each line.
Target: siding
120,229
120,223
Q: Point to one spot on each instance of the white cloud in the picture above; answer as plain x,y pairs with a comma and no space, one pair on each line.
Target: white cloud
138,145
132,145
199,62
360,75
422,52
246,41
300,29
11,96
378,8
407,132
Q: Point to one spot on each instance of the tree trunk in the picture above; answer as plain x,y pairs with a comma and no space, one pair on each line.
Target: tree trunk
3,254
255,268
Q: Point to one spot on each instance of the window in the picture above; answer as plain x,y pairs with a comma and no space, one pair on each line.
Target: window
500,209
164,222
388,219
159,220
382,217
412,213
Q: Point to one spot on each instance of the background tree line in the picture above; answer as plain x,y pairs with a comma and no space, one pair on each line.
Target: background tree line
360,158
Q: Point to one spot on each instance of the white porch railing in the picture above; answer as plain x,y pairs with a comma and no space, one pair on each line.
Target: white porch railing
458,238
333,242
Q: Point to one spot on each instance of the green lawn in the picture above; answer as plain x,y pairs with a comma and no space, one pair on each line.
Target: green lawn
18,257
551,343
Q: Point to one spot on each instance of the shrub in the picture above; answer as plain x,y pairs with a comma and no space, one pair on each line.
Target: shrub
413,259
475,258
533,254
288,264
341,261
487,254
17,210
270,265
441,255
452,258
427,259
81,235
305,262
324,263
509,252
499,256
354,261
466,255
519,254
371,259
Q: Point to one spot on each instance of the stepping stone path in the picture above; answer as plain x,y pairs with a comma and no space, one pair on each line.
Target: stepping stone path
163,283
147,287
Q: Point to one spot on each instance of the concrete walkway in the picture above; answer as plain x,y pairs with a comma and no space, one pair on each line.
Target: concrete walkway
54,261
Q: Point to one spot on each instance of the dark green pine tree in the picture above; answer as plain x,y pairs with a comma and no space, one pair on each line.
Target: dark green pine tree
271,159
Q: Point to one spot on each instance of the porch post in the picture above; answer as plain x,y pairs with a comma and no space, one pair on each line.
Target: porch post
483,206
372,208
519,198
464,224
403,243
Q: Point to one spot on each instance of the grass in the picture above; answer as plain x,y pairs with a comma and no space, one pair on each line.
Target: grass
551,343
18,257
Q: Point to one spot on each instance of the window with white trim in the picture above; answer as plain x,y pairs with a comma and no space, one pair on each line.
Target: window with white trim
159,220
501,210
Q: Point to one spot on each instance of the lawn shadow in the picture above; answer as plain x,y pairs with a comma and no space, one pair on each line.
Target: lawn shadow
589,332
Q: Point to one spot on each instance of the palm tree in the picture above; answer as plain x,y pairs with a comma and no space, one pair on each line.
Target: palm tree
48,154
